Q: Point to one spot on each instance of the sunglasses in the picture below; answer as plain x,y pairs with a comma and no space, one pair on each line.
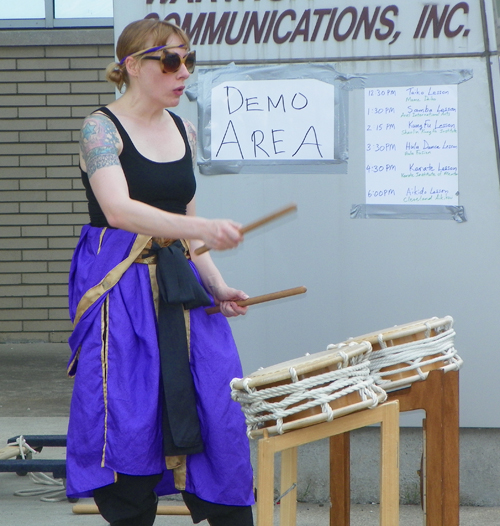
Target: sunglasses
170,62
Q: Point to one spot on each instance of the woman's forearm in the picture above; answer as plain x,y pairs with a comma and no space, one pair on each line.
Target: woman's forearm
209,273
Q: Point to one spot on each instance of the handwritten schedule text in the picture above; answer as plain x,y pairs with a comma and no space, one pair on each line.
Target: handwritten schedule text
411,145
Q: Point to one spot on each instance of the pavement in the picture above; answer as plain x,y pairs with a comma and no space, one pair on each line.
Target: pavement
34,400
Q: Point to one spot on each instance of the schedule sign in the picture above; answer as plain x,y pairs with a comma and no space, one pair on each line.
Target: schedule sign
411,145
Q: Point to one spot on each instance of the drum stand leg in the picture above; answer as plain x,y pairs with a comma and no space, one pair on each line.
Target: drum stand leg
265,482
442,467
389,471
288,501
438,396
386,414
340,480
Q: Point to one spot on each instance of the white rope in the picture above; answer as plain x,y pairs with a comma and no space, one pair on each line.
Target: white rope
353,359
51,495
300,395
55,494
262,406
23,445
298,385
416,355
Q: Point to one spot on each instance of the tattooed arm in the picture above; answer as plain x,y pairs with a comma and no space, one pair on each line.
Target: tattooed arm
100,146
191,135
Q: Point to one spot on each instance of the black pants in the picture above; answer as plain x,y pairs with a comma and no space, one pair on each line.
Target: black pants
131,501
217,514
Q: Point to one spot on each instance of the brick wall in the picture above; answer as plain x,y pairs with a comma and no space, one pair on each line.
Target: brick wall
49,81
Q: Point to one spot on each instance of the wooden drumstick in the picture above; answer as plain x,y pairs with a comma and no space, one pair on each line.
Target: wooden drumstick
256,224
261,299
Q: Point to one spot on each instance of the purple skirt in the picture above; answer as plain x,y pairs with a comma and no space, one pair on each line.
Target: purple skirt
116,408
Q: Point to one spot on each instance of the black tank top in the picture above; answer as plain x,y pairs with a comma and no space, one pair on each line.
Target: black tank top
169,186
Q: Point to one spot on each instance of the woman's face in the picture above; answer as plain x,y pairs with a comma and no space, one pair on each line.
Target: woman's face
165,87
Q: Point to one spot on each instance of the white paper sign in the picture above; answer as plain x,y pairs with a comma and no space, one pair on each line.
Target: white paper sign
272,120
411,145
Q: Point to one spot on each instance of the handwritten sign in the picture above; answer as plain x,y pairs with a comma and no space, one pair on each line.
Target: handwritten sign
411,145
272,120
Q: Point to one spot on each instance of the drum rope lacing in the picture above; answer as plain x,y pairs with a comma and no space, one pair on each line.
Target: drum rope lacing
308,393
416,354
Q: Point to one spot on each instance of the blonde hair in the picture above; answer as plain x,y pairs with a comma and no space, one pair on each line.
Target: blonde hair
137,36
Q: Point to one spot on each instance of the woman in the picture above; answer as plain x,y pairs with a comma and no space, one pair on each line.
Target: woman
151,412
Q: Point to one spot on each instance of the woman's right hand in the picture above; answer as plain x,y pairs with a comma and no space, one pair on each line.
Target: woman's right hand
222,234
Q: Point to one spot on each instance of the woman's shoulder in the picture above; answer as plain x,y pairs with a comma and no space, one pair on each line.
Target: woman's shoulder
100,122
98,130
102,114
187,124
191,134
190,129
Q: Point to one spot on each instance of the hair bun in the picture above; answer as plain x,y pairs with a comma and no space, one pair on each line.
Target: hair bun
115,74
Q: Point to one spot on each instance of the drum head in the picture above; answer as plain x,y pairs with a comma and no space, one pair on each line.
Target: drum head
405,333
338,357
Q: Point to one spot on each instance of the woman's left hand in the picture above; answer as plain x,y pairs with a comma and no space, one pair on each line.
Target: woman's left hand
226,298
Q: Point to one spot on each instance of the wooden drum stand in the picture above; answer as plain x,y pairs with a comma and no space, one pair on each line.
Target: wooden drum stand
438,396
386,414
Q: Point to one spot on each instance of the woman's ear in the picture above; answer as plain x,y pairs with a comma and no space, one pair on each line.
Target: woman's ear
133,66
